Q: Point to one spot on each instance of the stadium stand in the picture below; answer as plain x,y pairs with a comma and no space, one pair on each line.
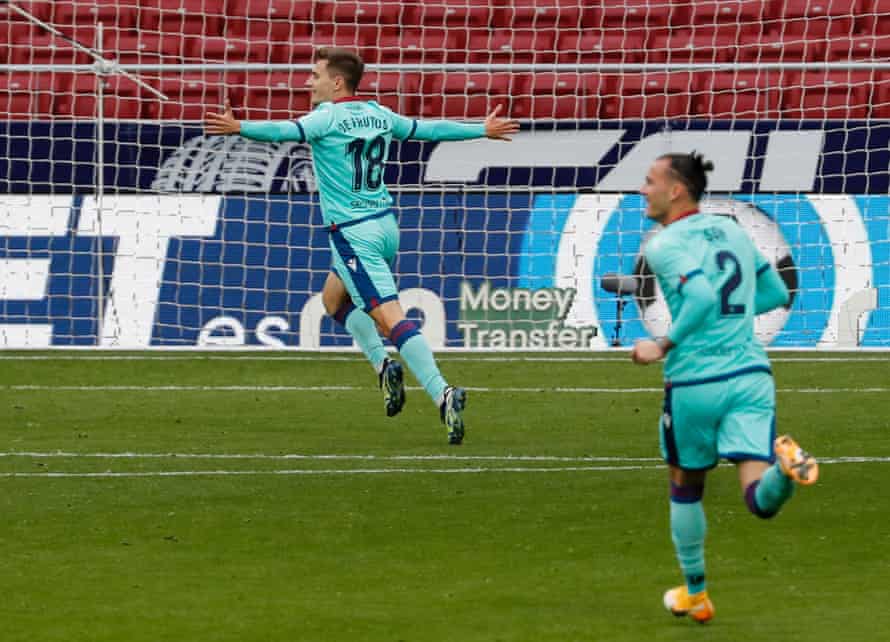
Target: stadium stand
457,31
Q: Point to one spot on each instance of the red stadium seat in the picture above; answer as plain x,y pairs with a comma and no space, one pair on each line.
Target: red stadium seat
24,96
199,17
78,19
114,14
397,90
77,97
218,48
596,87
822,95
704,13
363,38
364,12
272,20
554,96
276,96
469,95
296,52
640,13
539,14
742,95
15,40
596,46
44,48
430,45
860,47
881,103
190,97
145,48
817,19
461,39
657,95
641,19
270,9
453,13
705,44
782,48
514,46
873,19
37,8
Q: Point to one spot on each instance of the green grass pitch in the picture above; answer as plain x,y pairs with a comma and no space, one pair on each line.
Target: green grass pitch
261,497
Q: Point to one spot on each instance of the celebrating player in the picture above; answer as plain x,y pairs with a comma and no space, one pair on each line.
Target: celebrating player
719,391
350,139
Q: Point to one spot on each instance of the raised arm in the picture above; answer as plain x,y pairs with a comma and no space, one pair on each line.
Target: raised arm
274,131
493,127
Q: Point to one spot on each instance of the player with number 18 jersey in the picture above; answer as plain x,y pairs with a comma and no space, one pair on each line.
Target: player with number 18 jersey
350,140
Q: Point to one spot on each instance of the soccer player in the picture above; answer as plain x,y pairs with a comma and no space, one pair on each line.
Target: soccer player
719,391
350,140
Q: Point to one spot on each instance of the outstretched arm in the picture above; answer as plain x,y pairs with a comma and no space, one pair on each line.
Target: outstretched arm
226,124
223,124
494,127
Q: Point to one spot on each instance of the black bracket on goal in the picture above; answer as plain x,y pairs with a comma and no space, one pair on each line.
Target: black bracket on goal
621,285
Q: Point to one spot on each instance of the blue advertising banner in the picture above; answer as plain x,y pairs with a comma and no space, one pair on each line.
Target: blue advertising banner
824,157
519,270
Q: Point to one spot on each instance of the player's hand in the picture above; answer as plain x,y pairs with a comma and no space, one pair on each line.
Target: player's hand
500,128
645,352
222,124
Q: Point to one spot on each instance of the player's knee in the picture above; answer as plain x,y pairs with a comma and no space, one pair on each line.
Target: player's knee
751,502
331,304
339,310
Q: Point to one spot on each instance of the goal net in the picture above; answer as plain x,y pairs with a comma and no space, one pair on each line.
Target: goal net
123,226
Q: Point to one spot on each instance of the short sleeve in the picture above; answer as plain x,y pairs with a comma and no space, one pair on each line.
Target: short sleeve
316,123
671,262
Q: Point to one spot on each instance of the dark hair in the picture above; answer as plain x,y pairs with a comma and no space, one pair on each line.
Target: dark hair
343,62
691,170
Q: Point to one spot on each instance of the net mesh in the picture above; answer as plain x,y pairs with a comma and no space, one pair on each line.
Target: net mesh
199,240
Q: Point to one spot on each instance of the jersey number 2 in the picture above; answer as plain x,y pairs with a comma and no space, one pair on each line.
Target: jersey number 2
367,162
733,282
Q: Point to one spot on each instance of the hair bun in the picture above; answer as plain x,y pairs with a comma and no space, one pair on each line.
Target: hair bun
699,159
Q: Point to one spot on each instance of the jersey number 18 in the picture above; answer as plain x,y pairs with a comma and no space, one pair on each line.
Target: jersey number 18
367,162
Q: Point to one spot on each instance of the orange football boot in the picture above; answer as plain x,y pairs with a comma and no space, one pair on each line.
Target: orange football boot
796,463
698,606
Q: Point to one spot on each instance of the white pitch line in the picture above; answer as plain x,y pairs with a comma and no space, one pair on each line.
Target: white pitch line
855,459
344,471
323,457
359,358
379,471
508,389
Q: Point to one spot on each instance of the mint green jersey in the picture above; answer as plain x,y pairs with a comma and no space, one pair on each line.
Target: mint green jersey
350,145
350,141
717,249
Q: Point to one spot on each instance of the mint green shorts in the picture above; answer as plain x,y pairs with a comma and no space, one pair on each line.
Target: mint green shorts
730,417
363,255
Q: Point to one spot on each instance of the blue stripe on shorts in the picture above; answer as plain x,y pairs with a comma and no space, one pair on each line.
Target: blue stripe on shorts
360,277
